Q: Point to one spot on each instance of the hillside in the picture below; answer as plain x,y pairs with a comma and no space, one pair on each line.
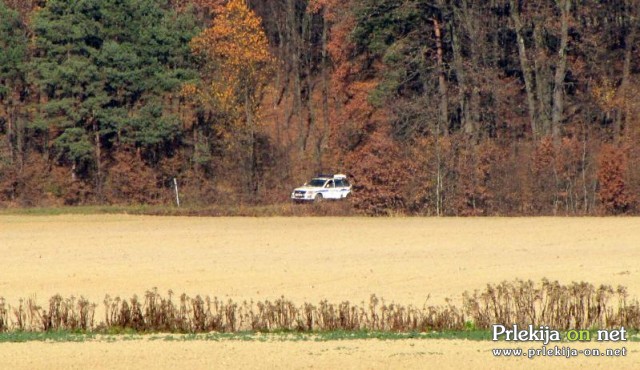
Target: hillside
443,107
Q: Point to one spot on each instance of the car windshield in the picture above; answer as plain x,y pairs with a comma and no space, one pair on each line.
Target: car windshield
317,182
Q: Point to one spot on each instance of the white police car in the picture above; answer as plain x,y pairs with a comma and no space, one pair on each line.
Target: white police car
322,187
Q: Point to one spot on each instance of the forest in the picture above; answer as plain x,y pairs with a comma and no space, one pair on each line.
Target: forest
432,107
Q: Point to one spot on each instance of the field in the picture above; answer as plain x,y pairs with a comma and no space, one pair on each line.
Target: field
405,260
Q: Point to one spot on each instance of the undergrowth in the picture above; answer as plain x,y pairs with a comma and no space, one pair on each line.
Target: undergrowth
561,307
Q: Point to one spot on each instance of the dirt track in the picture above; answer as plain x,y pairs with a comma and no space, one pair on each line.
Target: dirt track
305,259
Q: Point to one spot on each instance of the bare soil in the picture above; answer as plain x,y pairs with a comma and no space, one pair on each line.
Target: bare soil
406,260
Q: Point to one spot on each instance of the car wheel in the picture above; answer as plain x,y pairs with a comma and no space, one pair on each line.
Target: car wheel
318,198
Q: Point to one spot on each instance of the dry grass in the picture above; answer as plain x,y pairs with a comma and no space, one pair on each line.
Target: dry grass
574,306
286,209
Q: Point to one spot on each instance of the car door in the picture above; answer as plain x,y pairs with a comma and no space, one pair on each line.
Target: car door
342,188
330,188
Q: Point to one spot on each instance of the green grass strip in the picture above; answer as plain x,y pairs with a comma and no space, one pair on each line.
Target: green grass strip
280,336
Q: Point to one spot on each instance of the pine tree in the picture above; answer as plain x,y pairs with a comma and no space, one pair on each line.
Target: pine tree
105,70
13,56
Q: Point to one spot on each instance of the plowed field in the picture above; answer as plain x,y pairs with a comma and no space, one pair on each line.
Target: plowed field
404,260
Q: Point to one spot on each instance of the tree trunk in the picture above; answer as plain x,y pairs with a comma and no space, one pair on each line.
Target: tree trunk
250,169
195,160
281,82
558,87
295,70
629,42
322,140
98,154
526,70
466,124
19,139
307,24
10,134
443,117
542,79
470,21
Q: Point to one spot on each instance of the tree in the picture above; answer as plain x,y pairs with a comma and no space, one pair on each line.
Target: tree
614,191
236,66
13,86
543,74
104,70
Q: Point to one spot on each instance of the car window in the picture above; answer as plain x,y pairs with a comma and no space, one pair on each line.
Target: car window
330,184
316,182
340,183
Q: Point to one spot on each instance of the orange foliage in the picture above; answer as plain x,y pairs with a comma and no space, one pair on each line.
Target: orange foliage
544,155
478,168
132,181
614,191
237,59
236,42
381,172
333,9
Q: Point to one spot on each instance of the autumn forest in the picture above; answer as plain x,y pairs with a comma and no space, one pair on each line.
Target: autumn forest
438,107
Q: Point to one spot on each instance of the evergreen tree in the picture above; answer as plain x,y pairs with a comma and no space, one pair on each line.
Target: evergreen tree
13,55
106,70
